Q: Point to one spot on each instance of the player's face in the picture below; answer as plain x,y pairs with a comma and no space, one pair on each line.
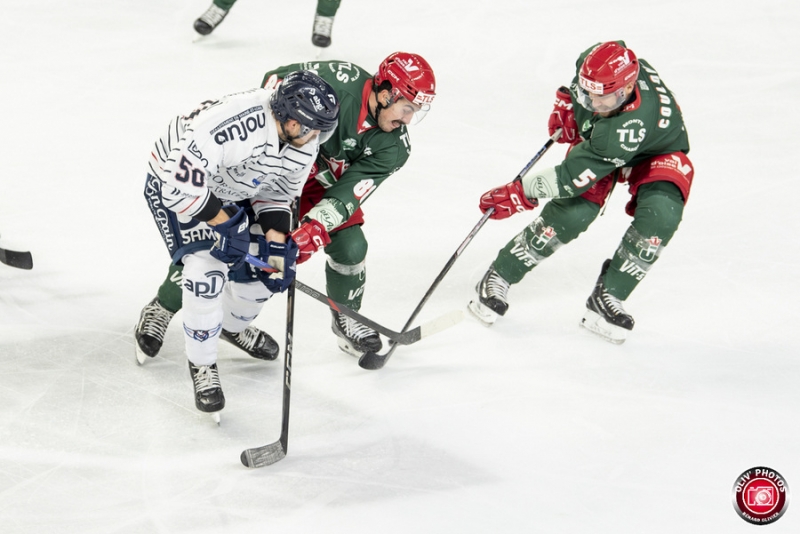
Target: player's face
400,113
302,136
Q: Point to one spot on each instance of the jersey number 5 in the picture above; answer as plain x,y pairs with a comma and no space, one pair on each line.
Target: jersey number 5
584,178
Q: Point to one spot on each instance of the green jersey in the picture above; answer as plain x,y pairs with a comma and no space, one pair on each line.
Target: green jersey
650,124
359,156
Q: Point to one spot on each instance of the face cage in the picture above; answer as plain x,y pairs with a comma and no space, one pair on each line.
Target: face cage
585,100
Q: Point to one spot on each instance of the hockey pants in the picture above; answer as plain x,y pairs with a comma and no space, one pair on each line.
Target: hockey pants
211,303
345,272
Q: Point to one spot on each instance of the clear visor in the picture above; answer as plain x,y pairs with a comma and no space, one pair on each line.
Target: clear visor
323,136
601,103
411,113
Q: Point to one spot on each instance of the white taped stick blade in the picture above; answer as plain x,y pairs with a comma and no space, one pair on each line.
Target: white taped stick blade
263,456
441,323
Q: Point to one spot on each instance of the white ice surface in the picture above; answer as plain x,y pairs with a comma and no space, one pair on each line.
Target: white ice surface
531,426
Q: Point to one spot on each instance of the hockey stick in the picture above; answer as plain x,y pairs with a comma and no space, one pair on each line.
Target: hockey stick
402,338
373,360
20,260
275,452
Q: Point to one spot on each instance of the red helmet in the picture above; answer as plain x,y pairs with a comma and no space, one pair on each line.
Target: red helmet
410,76
608,68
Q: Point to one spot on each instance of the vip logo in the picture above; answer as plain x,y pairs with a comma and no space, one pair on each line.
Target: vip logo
354,293
519,251
634,270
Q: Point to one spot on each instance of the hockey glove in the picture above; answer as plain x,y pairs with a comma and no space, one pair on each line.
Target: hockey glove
282,256
233,237
506,201
563,117
310,237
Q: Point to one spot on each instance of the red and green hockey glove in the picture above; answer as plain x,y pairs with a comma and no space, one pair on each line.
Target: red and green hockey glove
310,237
506,201
563,117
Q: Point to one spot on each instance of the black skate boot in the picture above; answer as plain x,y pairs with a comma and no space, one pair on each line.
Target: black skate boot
605,315
149,332
208,396
354,337
254,342
209,20
323,27
492,294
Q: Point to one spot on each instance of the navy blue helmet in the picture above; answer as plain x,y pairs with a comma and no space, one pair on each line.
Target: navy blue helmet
308,99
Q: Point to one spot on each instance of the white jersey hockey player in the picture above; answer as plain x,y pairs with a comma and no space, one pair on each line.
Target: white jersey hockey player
233,162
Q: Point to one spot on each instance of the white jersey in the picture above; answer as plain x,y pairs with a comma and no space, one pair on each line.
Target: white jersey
230,148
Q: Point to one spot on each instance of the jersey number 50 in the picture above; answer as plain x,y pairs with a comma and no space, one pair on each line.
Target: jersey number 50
197,176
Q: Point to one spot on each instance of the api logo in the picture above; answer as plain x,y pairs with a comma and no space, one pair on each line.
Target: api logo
210,288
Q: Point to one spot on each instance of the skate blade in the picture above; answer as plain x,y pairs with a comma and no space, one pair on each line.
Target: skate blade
348,348
141,357
215,417
486,316
594,323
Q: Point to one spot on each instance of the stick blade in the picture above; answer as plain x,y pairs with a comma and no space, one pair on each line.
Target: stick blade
441,323
263,456
20,260
372,361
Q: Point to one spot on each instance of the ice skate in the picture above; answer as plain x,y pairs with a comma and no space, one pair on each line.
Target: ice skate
605,315
208,396
209,20
254,342
491,298
323,27
353,337
149,332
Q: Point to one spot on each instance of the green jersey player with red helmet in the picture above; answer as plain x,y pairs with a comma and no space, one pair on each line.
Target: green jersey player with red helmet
370,143
622,125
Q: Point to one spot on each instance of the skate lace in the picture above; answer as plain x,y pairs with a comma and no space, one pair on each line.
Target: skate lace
323,25
155,320
354,329
213,15
205,378
496,286
613,304
247,338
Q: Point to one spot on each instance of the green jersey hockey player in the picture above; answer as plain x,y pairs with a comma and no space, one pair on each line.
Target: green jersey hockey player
370,143
623,125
